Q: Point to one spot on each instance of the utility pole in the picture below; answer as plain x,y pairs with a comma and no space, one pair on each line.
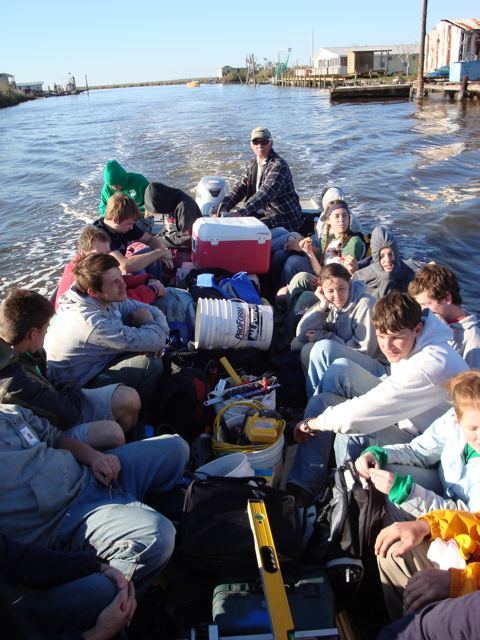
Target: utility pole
421,53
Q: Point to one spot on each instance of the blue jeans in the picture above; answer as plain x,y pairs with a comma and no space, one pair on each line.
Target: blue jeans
310,469
128,534
279,237
284,265
65,608
326,354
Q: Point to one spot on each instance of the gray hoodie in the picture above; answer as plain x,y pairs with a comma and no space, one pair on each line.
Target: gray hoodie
84,336
466,339
352,325
38,481
377,281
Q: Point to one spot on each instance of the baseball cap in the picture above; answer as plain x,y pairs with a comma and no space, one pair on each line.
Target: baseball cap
260,132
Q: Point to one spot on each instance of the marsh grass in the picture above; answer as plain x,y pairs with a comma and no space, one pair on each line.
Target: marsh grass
10,96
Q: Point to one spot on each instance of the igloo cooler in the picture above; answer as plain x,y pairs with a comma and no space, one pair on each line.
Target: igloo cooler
234,244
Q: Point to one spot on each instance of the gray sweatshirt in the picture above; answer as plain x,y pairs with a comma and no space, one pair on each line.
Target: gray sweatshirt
38,482
352,325
377,281
84,336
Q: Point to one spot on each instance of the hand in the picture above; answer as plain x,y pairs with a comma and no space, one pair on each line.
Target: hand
350,263
382,480
158,287
302,432
214,212
426,586
410,534
306,245
105,467
115,576
321,297
140,316
115,617
311,335
365,463
292,244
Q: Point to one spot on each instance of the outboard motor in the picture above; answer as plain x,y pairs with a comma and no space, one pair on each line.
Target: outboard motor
210,191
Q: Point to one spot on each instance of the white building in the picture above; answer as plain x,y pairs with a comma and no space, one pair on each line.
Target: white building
456,40
7,79
30,86
388,59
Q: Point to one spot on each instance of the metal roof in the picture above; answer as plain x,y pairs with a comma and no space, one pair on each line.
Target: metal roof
467,24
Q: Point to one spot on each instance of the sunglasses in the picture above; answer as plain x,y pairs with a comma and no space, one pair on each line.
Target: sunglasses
262,141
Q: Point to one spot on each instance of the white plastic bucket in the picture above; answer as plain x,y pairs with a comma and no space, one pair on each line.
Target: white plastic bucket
233,465
221,324
266,458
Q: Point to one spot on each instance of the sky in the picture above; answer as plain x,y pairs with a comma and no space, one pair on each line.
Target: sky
148,40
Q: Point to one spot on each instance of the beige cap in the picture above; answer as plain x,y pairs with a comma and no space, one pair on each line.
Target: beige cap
260,132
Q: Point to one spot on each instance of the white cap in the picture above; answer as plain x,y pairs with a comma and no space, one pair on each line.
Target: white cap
334,193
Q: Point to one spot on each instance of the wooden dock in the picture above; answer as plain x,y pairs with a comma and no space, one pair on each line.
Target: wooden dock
371,92
452,90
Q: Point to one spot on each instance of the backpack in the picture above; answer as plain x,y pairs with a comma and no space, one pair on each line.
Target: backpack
349,518
215,534
366,239
221,285
181,402
179,309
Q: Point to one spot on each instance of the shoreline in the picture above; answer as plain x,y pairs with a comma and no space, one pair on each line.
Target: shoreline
11,97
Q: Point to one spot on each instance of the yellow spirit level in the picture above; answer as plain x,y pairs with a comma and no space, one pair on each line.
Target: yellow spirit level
273,587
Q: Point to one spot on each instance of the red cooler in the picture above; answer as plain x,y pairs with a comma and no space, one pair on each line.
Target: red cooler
235,244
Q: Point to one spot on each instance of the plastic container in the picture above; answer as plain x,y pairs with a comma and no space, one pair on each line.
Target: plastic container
235,244
233,465
227,324
266,458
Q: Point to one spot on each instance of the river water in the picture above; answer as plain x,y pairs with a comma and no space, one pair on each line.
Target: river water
414,168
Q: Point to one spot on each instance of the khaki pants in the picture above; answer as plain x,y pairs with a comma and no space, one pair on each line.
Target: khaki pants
396,572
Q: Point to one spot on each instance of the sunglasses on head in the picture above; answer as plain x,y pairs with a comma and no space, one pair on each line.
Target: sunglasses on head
263,141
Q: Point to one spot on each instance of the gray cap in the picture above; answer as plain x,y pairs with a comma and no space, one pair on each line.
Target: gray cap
260,132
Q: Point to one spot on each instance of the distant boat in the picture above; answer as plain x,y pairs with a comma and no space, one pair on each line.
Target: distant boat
193,83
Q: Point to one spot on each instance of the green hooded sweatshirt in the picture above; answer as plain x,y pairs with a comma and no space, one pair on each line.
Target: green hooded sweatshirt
133,184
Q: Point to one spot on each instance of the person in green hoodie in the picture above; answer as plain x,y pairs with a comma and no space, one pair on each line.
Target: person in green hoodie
117,179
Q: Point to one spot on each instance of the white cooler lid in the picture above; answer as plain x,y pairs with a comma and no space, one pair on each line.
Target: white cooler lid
231,229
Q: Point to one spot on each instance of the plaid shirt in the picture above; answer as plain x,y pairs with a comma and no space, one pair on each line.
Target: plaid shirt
275,202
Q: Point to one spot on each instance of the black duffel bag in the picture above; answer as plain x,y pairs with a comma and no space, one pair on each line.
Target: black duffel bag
215,534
